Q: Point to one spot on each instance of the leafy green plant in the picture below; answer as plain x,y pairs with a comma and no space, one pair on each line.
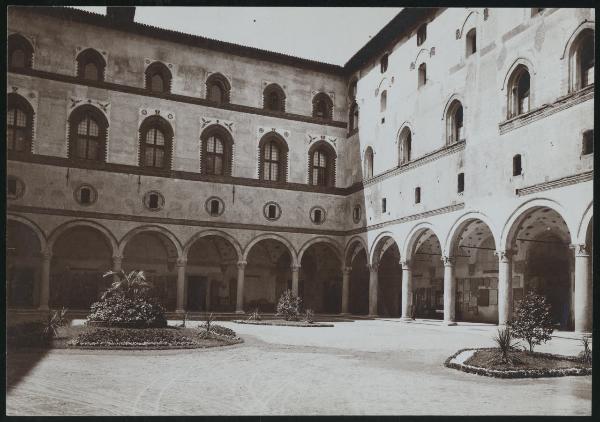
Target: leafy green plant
55,320
532,321
255,315
132,284
309,316
506,345
586,355
289,306
207,326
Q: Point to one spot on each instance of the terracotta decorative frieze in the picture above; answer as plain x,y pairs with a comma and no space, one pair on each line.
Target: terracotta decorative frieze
557,183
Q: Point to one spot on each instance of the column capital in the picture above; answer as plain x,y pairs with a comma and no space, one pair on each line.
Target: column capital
181,262
46,255
295,267
117,258
346,270
581,249
373,267
241,264
505,255
405,263
448,261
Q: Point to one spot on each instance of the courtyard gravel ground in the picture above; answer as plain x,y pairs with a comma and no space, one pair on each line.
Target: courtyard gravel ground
365,367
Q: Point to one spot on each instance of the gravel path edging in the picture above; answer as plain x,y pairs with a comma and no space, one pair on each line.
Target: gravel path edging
283,324
455,362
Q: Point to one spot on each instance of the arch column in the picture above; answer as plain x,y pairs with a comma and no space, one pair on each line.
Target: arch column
406,289
373,287
505,293
45,281
117,266
583,290
295,275
239,303
345,289
449,291
181,263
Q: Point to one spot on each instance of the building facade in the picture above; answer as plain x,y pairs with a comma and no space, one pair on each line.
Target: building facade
443,172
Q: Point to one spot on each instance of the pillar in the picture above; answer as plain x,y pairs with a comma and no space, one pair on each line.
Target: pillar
406,290
505,293
208,293
345,289
180,285
117,262
295,275
45,281
583,290
449,291
239,304
373,282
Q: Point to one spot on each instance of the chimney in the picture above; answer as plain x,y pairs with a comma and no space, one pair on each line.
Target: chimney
120,14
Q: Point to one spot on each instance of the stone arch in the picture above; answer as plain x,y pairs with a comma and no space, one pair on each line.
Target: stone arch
379,246
321,239
509,70
458,225
57,232
413,235
450,100
462,28
512,222
33,226
350,248
150,228
217,233
580,28
273,236
582,228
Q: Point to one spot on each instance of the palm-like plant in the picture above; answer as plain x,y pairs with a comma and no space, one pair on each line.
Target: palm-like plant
506,344
132,284
55,320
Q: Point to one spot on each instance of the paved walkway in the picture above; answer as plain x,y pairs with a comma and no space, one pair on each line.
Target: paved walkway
356,368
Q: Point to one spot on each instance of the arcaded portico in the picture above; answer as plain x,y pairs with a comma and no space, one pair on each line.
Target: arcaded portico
442,173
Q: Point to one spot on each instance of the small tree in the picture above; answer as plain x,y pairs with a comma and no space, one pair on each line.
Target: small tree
289,306
532,320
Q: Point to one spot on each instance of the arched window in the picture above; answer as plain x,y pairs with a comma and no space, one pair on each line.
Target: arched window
273,158
90,65
369,163
216,151
422,74
87,134
322,106
581,60
383,101
156,137
158,78
405,143
218,88
517,166
422,34
353,118
19,52
454,123
518,92
19,124
274,98
471,41
322,159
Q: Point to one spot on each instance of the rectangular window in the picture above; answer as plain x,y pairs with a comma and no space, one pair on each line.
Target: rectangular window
461,182
272,211
588,142
317,216
214,207
85,196
517,168
153,202
417,195
12,186
383,205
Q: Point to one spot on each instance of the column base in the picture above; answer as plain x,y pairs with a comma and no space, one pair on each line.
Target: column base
372,316
450,323
406,319
583,333
180,311
239,312
344,314
43,308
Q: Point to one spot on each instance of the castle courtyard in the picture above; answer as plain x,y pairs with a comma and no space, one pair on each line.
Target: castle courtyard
363,367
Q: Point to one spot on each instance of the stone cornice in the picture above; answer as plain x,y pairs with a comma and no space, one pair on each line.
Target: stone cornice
443,210
175,97
545,110
556,183
432,156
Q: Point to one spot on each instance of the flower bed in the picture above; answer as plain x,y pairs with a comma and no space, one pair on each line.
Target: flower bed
533,365
284,323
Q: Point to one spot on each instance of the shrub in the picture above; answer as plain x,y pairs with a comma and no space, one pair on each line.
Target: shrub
119,309
532,320
504,340
289,306
218,330
126,302
255,315
586,355
55,320
309,316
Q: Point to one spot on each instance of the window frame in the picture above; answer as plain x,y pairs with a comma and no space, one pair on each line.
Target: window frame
158,123
328,178
404,141
218,79
268,92
515,97
77,116
422,34
322,99
517,164
158,68
19,103
471,42
266,141
422,75
91,56
227,155
455,133
19,42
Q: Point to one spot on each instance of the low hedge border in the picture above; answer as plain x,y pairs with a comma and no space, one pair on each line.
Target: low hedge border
225,342
521,373
284,323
